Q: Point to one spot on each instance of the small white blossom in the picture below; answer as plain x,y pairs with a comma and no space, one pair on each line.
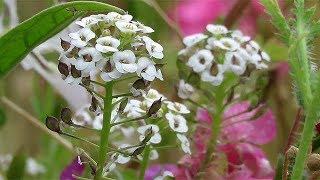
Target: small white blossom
177,107
164,175
152,156
126,27
125,61
108,70
147,69
235,63
214,79
82,37
184,90
199,61
100,17
153,48
177,122
107,44
143,28
88,57
135,108
194,39
153,95
185,144
87,21
155,138
217,29
227,44
113,16
33,167
238,36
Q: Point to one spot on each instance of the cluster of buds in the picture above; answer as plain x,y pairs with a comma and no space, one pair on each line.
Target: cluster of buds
111,45
217,51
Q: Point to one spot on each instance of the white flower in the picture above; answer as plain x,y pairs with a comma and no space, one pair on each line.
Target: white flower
82,37
87,21
215,78
145,29
108,70
265,56
184,90
100,17
227,44
33,167
177,107
153,48
155,136
126,27
107,44
194,39
82,117
199,61
152,156
147,69
177,122
135,108
88,57
120,158
256,59
125,61
153,95
164,175
97,122
252,47
72,80
217,29
113,16
235,63
238,36
185,144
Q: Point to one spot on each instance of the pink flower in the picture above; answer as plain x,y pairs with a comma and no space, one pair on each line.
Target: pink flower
238,142
193,15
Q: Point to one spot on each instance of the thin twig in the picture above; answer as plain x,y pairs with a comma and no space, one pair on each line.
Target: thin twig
293,130
157,8
36,123
93,91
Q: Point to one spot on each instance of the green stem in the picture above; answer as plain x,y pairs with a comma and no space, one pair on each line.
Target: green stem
105,130
130,120
144,162
122,95
78,138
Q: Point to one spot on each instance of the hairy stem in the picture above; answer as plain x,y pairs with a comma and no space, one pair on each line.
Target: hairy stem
144,162
105,130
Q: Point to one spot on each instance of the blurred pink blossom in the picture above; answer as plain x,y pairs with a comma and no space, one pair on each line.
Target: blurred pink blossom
193,15
238,141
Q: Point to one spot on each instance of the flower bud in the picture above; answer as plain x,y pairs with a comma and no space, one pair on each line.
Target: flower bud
65,44
147,135
154,108
86,81
94,104
66,115
292,153
123,105
138,151
52,123
313,162
63,68
75,72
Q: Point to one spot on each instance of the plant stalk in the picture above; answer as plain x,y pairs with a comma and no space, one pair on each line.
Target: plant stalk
144,163
105,130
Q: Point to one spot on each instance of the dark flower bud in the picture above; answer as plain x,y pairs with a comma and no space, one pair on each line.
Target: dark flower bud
86,81
147,135
65,44
123,104
154,108
63,68
138,151
292,153
52,123
75,72
313,162
66,115
94,104
87,58
139,84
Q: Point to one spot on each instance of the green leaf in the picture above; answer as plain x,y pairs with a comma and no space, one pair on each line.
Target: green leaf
19,41
277,19
3,118
278,174
17,166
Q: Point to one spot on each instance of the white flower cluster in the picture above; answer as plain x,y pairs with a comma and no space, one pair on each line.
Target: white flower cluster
111,45
219,50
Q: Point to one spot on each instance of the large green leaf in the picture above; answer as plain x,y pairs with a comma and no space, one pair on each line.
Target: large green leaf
19,41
